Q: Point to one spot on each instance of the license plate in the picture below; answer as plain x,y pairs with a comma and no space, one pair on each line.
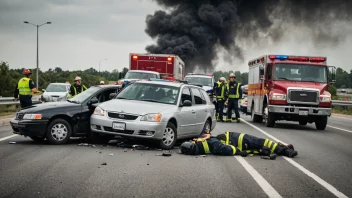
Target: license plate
303,113
119,126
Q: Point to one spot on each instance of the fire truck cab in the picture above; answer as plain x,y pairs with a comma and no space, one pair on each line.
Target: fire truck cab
292,88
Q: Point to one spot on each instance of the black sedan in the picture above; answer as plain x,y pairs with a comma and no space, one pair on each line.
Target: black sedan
58,121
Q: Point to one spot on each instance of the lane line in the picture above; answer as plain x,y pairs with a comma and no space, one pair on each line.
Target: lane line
8,137
339,129
316,178
267,188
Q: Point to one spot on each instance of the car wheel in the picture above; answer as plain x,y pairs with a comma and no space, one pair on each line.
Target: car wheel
169,137
59,131
38,139
206,128
303,122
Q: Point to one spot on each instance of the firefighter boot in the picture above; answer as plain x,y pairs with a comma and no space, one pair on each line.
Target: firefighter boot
285,151
238,120
229,120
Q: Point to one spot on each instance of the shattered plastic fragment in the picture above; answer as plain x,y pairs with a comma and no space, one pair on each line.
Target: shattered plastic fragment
83,144
111,154
203,155
104,163
12,142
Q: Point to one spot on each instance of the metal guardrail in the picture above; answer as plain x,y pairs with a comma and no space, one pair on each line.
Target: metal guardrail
10,100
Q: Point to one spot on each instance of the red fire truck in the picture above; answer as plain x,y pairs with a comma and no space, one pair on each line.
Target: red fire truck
293,88
169,66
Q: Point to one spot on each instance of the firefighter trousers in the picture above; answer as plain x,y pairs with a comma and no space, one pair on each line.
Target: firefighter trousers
219,109
25,100
232,104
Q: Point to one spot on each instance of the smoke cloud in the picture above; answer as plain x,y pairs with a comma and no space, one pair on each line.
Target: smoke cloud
196,29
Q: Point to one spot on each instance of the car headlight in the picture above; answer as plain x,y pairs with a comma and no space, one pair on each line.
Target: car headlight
99,111
325,98
277,96
154,117
32,116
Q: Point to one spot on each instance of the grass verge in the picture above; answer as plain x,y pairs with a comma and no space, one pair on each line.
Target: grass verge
6,110
342,110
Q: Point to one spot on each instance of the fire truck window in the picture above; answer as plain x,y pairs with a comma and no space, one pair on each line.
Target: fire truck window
197,96
300,72
269,71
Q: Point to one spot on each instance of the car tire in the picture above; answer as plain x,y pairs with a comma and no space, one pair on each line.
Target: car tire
169,137
321,123
207,126
37,139
59,131
98,138
303,122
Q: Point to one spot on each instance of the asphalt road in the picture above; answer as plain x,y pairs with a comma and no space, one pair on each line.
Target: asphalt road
323,167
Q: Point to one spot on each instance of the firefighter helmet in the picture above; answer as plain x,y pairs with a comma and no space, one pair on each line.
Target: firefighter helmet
27,71
77,78
232,75
188,148
223,79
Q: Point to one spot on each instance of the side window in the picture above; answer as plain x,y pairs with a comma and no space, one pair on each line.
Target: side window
269,71
205,97
186,95
197,96
104,96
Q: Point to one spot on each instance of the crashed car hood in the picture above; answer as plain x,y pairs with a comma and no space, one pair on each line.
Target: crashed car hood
134,106
48,106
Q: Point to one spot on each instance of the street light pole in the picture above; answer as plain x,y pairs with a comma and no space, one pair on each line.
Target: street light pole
99,65
37,83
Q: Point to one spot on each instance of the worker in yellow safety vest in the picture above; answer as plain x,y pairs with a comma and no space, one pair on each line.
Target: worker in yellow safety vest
24,89
234,94
220,92
77,87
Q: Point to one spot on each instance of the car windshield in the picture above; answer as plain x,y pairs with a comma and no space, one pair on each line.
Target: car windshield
300,72
140,75
150,92
79,98
56,88
204,81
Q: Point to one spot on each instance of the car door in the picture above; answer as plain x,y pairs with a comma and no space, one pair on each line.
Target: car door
87,111
200,108
186,116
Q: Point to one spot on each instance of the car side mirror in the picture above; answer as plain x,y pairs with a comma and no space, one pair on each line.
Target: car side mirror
186,103
43,90
112,95
93,101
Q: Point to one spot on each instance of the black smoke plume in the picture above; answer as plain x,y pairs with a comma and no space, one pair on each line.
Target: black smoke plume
196,29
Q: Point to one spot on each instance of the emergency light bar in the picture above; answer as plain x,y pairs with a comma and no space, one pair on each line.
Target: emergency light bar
297,58
201,74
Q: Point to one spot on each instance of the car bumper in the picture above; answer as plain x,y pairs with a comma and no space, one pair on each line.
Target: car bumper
316,111
35,128
134,128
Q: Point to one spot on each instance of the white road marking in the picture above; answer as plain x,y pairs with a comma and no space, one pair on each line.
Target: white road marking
267,188
339,128
8,137
328,186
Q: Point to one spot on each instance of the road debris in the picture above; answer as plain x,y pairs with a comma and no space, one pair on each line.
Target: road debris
12,142
104,163
271,157
83,144
202,155
111,154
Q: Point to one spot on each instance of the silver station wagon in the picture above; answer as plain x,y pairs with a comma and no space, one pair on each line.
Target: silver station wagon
156,110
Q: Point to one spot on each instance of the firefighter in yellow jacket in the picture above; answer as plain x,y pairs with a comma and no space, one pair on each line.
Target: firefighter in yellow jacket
77,87
24,89
233,143
234,92
220,92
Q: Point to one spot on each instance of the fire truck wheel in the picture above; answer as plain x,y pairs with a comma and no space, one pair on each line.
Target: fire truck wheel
321,123
270,119
256,118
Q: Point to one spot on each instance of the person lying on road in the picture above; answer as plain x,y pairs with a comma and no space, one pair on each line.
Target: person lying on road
233,143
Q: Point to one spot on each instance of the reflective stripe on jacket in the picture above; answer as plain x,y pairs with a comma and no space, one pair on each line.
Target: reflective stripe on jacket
23,86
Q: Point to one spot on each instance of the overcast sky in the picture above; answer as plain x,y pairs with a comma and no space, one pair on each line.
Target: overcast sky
86,31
